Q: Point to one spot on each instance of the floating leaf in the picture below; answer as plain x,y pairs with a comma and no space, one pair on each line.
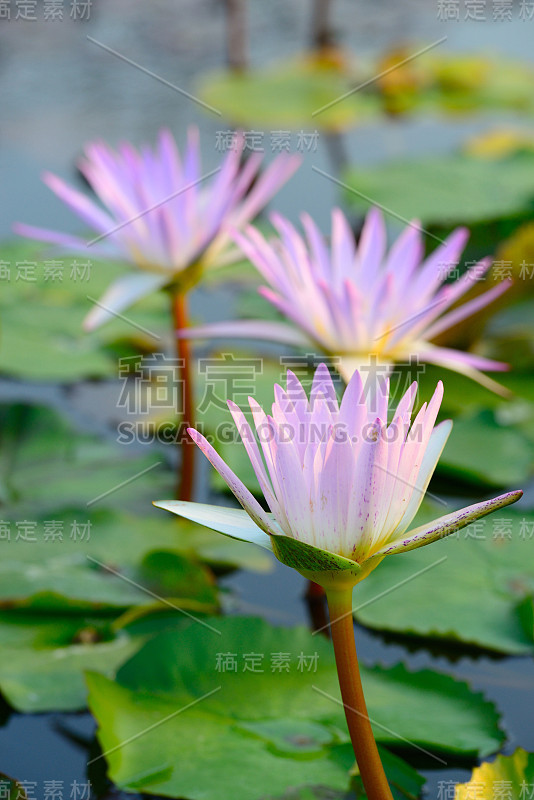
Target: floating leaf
462,188
451,82
45,465
488,561
195,681
300,93
480,450
44,658
11,789
512,775
41,335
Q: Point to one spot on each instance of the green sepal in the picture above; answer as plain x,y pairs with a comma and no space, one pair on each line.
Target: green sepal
320,566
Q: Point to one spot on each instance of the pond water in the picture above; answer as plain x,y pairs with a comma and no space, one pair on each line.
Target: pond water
58,90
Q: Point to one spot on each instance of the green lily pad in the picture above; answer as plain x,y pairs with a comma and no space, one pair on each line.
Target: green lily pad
11,789
45,465
247,690
462,188
190,752
43,659
405,783
41,316
512,776
56,576
65,540
489,560
300,93
482,451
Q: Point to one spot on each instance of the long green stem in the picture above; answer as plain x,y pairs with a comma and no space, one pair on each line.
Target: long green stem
361,734
186,474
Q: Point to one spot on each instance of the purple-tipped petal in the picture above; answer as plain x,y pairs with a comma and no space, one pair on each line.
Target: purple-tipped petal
240,491
247,329
85,208
357,302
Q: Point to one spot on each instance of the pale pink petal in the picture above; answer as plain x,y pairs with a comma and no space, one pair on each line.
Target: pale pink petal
72,244
84,207
466,310
372,245
432,454
467,364
247,329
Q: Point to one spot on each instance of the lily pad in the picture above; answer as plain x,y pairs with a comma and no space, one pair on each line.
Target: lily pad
46,465
462,188
300,93
57,576
65,540
482,451
43,659
42,308
489,561
513,775
405,783
11,789
248,689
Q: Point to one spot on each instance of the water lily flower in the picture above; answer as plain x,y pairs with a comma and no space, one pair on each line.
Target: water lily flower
162,214
362,303
342,485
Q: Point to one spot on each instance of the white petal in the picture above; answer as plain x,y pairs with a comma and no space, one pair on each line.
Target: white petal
121,294
233,522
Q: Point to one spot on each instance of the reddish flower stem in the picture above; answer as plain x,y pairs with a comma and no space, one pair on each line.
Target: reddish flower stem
186,469
361,734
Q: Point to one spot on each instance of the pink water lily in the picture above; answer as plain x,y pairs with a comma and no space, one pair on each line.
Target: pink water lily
342,485
361,302
161,213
